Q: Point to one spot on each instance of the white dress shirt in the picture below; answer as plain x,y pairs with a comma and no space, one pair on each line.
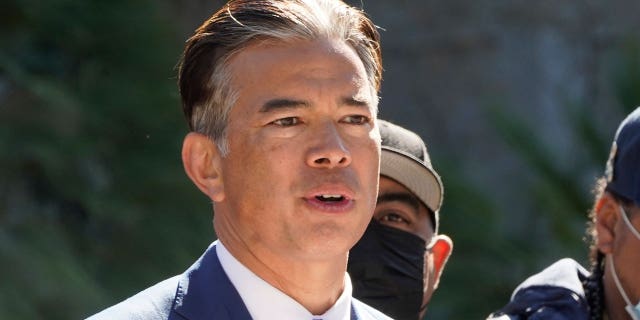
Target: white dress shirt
266,302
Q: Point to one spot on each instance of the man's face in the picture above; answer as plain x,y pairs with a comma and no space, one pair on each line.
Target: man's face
399,208
301,177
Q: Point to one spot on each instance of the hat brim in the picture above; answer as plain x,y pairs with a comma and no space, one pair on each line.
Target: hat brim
418,178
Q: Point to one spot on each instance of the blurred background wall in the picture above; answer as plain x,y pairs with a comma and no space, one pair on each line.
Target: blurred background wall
517,100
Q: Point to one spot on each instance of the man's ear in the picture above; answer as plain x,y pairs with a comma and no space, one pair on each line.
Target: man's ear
440,252
607,209
201,160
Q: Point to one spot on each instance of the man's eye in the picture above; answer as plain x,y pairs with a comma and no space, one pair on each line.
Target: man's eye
356,119
394,218
287,122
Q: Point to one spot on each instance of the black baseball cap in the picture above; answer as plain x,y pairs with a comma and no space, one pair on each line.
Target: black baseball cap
623,166
405,159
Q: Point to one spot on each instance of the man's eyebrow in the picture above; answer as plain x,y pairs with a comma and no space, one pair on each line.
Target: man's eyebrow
355,102
276,104
404,197
284,103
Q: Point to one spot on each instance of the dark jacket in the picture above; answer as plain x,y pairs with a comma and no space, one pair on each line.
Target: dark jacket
203,292
556,293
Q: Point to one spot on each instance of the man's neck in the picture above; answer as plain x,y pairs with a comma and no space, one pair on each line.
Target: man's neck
316,285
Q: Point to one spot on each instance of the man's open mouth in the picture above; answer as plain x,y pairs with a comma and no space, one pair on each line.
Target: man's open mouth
330,197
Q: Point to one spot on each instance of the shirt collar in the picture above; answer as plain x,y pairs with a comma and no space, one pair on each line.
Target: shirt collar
254,292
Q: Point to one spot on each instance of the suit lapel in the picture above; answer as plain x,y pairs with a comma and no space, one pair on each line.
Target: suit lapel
205,292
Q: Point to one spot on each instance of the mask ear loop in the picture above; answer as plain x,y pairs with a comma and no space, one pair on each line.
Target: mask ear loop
423,308
629,307
428,248
431,243
617,281
628,223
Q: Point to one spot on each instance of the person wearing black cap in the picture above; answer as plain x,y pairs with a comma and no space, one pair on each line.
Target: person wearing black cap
611,290
396,265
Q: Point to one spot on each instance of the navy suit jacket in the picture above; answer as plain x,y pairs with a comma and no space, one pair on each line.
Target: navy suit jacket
203,292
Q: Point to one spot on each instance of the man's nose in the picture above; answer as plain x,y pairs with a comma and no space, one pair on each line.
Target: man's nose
330,149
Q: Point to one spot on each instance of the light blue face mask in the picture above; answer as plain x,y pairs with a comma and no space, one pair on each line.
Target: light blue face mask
634,311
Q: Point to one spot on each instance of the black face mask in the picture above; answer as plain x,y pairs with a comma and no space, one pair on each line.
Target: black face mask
386,268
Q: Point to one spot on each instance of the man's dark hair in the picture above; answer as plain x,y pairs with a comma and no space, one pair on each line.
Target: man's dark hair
204,75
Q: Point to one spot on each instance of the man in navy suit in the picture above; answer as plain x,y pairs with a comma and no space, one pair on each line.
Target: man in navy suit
281,100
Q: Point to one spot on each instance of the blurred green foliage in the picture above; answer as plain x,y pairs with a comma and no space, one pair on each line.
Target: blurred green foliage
94,204
493,250
93,198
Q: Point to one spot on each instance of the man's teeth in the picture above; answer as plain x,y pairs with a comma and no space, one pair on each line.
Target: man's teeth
330,197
